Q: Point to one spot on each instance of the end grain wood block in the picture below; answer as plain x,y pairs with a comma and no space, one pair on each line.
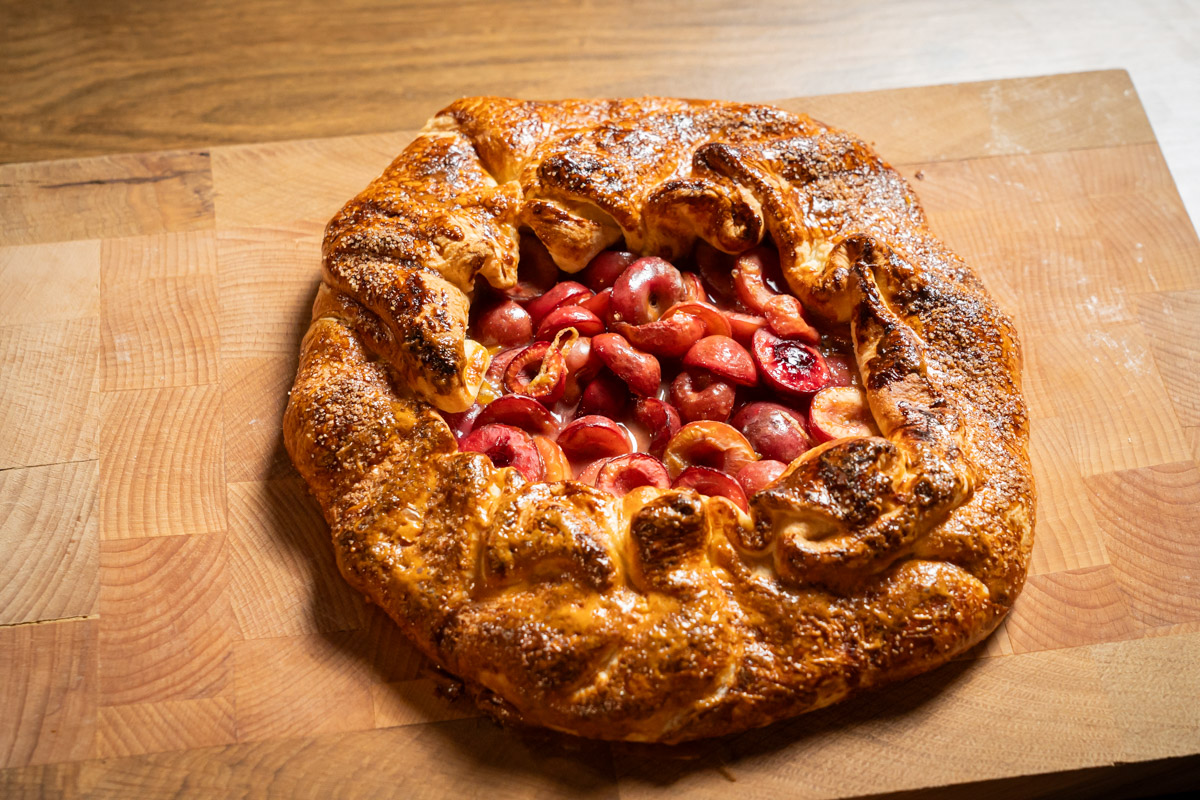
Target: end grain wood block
1172,323
162,463
316,177
166,625
416,702
1067,535
48,400
1152,535
283,578
49,543
43,283
255,395
1105,381
105,197
48,694
301,686
159,311
1070,609
268,281
169,725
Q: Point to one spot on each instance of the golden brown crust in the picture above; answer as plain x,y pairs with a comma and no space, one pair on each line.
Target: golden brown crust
666,615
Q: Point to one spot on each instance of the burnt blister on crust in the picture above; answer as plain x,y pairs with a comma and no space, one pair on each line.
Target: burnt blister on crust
870,559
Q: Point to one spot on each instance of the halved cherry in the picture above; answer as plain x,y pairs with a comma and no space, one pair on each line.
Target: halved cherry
708,444
785,315
715,321
700,395
840,411
582,365
506,446
593,437
754,477
640,371
711,482
558,468
563,293
536,270
693,288
663,337
519,411
788,365
645,290
599,304
607,395
724,358
538,371
742,327
591,471
776,432
750,280
583,321
462,422
843,371
715,271
623,474
603,270
503,323
494,376
660,419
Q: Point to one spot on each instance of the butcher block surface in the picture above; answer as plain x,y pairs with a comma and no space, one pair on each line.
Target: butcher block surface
171,618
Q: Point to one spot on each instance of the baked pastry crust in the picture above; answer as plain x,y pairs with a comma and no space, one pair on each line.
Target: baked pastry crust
665,615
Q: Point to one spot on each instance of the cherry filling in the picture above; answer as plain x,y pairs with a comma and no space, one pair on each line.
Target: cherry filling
635,372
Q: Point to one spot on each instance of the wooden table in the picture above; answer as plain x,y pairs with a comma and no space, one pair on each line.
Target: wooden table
171,620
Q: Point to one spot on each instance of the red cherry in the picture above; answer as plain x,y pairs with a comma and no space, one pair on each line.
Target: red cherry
494,376
841,411
599,304
785,315
506,447
519,411
693,288
536,270
640,371
564,293
715,321
708,444
663,337
749,277
700,395
558,468
462,422
757,476
715,271
775,431
788,365
623,474
603,270
539,371
607,396
660,419
710,482
724,358
593,437
743,326
645,290
590,472
843,371
583,321
503,323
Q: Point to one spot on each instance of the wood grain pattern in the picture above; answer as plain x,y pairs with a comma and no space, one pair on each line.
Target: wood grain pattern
54,574
230,658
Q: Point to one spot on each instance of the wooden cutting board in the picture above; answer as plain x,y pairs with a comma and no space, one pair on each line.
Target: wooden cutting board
173,622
